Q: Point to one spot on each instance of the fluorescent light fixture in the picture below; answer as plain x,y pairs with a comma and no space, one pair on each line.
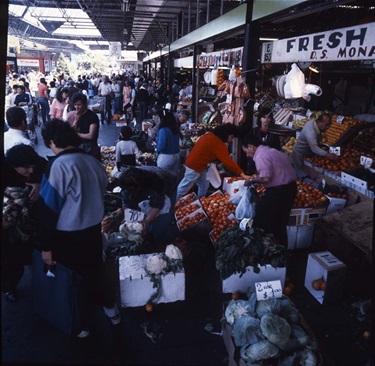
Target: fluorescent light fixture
314,68
268,39
130,43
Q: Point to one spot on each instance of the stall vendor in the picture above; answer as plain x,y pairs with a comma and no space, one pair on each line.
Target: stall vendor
308,143
151,190
276,173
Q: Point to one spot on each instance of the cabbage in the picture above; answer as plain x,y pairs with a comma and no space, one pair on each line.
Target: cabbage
268,306
274,328
290,360
235,309
259,351
172,252
246,330
289,311
299,333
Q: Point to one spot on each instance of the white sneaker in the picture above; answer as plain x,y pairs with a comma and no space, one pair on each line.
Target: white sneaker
83,333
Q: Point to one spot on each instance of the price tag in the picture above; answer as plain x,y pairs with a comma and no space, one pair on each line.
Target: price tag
268,290
298,134
339,119
335,150
366,162
133,215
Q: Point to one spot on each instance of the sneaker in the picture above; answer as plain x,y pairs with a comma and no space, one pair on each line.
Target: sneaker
115,319
83,333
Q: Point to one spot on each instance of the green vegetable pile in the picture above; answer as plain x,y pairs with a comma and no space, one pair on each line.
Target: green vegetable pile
236,250
269,332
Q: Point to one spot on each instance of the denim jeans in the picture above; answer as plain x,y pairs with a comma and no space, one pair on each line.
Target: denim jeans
45,109
169,162
190,178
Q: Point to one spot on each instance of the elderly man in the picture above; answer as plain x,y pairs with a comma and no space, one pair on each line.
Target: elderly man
276,173
308,142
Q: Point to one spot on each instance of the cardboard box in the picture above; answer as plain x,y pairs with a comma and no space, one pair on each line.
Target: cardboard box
136,287
357,184
325,264
185,200
200,210
296,216
335,204
233,360
196,202
311,215
235,283
300,237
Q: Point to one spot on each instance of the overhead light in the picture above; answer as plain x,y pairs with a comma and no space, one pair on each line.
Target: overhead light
130,43
268,39
314,68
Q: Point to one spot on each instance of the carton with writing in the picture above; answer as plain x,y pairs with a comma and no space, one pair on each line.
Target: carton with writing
325,265
235,283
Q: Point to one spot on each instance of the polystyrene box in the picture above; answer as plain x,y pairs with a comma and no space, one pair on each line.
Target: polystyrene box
325,265
235,283
335,204
136,287
300,237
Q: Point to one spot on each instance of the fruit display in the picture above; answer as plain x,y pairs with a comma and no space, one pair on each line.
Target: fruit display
219,76
108,158
319,284
299,123
364,142
234,179
218,208
186,210
334,190
191,220
349,159
183,201
289,146
308,196
337,130
116,117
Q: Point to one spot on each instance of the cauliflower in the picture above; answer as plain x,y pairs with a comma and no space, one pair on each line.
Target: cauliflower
155,264
132,231
172,252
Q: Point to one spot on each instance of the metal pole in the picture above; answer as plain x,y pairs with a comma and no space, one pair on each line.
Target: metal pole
195,77
208,12
197,17
189,16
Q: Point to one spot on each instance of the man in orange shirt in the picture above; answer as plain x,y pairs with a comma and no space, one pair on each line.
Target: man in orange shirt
43,99
210,147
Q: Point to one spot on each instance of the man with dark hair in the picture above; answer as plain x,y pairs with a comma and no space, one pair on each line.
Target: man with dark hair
22,167
70,211
86,124
16,119
210,147
143,101
309,140
276,173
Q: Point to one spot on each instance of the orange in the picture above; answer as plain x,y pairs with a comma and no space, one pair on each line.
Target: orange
149,308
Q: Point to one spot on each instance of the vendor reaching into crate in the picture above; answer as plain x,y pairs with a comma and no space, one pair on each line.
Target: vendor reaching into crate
210,147
308,142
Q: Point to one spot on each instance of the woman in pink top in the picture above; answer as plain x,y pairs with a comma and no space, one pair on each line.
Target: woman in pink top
43,100
59,103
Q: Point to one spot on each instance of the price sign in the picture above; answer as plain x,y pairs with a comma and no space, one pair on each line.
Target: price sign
339,119
268,290
256,106
335,150
298,134
133,215
366,162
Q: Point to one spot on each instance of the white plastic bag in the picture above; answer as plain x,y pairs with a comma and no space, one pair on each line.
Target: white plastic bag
294,83
213,176
237,190
246,208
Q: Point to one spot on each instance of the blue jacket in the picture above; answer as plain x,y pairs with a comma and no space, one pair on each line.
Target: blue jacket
166,142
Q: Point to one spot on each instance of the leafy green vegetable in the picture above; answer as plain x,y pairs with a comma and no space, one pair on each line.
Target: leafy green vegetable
246,330
275,328
236,250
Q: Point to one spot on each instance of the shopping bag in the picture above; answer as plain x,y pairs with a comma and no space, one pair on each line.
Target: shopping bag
57,295
237,191
246,206
213,176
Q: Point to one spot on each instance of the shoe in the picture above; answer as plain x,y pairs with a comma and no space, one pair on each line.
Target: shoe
11,296
83,333
115,319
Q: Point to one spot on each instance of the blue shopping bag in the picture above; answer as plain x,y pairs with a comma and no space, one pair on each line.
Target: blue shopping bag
57,295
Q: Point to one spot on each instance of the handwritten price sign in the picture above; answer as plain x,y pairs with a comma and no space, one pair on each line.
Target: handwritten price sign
133,215
268,290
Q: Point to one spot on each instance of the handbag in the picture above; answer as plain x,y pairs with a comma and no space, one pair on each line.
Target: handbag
57,295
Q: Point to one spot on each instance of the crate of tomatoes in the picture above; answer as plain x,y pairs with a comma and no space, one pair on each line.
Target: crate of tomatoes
192,219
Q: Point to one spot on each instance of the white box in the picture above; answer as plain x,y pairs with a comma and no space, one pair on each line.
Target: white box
326,265
199,210
300,237
353,180
235,283
335,204
136,287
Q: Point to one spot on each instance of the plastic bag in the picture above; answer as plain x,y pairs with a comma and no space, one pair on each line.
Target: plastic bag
245,208
294,83
237,190
213,176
